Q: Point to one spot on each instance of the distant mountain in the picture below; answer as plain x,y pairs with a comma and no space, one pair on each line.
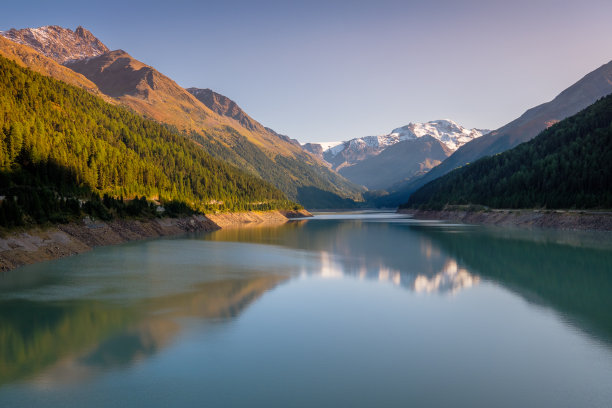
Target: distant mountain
212,120
583,93
379,162
398,162
569,165
449,133
58,43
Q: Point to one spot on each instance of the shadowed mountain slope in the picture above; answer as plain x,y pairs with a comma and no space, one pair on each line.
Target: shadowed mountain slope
583,93
569,165
397,163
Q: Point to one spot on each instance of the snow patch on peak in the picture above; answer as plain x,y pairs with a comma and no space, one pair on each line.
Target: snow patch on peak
447,131
58,43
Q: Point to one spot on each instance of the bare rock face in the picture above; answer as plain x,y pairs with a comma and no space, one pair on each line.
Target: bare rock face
117,74
58,43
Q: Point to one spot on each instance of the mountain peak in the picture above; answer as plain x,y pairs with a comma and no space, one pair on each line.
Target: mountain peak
428,143
446,131
85,34
58,43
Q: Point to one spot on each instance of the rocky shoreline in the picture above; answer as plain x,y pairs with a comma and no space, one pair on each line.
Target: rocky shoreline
555,219
36,244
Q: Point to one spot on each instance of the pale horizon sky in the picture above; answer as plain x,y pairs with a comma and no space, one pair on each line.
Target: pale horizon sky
335,70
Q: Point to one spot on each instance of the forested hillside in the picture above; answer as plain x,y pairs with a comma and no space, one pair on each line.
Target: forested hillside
568,165
59,143
226,133
579,96
222,127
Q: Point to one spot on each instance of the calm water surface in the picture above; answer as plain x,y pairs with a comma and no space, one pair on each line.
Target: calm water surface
343,310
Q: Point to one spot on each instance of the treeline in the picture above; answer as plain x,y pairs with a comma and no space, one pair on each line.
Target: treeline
59,144
568,165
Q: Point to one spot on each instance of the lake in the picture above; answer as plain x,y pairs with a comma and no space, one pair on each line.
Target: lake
342,310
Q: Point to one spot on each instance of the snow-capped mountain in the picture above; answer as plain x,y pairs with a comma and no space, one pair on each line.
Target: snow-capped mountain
58,43
446,131
408,151
347,153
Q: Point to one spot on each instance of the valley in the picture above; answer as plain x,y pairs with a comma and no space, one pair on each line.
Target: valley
305,204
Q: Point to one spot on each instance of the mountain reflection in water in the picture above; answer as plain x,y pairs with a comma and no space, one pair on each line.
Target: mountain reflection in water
568,271
363,248
72,319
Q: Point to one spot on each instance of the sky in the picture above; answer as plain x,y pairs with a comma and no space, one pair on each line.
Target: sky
335,70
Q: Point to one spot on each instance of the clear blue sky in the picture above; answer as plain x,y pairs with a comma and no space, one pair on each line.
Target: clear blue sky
334,70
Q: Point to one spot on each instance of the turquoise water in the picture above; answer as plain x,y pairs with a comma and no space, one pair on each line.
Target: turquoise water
355,310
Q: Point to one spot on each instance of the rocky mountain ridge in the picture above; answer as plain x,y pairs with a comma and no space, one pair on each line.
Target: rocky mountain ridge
58,43
350,152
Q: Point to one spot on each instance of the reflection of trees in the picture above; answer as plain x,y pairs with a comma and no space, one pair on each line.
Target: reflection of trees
575,280
33,335
78,336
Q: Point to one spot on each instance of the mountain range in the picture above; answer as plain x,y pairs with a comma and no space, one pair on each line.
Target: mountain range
380,162
210,119
318,175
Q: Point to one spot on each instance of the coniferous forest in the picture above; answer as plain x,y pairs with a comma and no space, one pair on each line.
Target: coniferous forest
64,152
569,165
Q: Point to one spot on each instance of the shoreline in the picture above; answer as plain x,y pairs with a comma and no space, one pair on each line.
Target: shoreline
572,220
36,244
